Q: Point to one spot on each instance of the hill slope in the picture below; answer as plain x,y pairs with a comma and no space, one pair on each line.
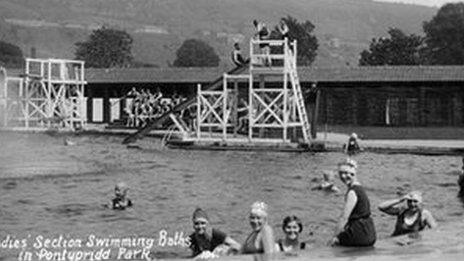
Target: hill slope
343,27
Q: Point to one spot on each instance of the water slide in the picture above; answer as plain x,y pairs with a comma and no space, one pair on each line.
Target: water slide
144,130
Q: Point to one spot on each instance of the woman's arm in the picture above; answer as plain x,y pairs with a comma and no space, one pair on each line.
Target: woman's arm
268,240
428,219
350,202
232,243
387,206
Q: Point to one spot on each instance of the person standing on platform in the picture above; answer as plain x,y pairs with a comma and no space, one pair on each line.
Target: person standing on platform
263,34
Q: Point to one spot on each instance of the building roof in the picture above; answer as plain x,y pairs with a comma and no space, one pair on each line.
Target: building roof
306,74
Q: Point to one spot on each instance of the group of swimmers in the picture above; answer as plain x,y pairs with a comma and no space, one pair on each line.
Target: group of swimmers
146,105
355,226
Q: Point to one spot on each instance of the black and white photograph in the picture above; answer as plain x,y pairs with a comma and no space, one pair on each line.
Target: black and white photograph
231,130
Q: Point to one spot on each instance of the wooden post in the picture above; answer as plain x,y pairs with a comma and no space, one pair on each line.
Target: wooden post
235,108
261,86
422,106
457,109
354,108
106,105
89,105
315,114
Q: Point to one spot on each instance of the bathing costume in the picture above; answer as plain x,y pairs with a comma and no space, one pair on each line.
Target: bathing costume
353,146
250,244
280,243
120,204
360,229
200,243
402,228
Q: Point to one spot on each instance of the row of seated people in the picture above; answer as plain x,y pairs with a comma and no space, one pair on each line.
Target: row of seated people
145,106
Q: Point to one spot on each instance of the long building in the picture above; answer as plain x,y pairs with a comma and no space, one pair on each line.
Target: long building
402,97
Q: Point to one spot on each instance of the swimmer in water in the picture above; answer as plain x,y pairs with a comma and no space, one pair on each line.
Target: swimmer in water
120,200
261,239
412,217
206,241
352,147
328,183
461,180
355,227
292,228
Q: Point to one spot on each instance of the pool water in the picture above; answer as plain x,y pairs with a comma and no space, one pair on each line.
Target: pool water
48,189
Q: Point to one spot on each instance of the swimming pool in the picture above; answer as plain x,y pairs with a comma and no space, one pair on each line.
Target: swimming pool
51,190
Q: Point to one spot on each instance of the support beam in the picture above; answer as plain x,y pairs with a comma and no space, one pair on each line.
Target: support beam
106,105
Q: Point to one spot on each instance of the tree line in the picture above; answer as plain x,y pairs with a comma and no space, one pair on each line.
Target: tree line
441,44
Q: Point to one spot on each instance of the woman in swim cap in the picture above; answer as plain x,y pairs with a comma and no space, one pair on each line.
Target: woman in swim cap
204,240
292,228
355,226
411,217
261,239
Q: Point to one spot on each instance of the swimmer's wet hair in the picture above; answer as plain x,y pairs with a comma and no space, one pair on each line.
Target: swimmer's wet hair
289,219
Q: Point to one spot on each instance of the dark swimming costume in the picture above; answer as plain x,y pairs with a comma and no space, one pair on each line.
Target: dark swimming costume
353,146
281,245
360,229
118,204
402,228
201,243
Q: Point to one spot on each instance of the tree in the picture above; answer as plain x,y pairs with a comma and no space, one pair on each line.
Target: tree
106,48
11,55
399,49
196,53
307,43
445,35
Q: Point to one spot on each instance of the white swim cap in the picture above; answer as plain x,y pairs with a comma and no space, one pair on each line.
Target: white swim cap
348,165
259,208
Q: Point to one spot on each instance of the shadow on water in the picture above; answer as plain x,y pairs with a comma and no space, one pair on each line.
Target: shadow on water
69,210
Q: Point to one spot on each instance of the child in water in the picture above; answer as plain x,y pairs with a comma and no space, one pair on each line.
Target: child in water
120,201
328,183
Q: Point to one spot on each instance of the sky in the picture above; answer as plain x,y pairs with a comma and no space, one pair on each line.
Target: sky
435,3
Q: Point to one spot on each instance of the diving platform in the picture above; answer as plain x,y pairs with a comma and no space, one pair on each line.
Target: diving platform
258,104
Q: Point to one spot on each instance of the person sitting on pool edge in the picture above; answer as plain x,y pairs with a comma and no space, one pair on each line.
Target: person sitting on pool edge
292,228
412,217
261,239
120,200
355,226
204,240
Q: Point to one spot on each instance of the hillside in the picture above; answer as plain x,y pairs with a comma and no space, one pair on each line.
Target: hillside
343,27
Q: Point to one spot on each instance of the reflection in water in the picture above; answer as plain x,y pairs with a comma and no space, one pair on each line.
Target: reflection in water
65,192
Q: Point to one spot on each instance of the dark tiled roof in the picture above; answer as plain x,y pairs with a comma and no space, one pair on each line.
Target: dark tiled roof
148,75
306,74
384,74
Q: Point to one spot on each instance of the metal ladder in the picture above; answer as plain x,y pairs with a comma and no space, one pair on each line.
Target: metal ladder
300,103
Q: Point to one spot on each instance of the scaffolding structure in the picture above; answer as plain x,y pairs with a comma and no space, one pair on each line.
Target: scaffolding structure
271,110
49,95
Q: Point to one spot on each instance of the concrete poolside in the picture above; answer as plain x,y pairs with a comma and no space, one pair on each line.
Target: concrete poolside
335,141
332,142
